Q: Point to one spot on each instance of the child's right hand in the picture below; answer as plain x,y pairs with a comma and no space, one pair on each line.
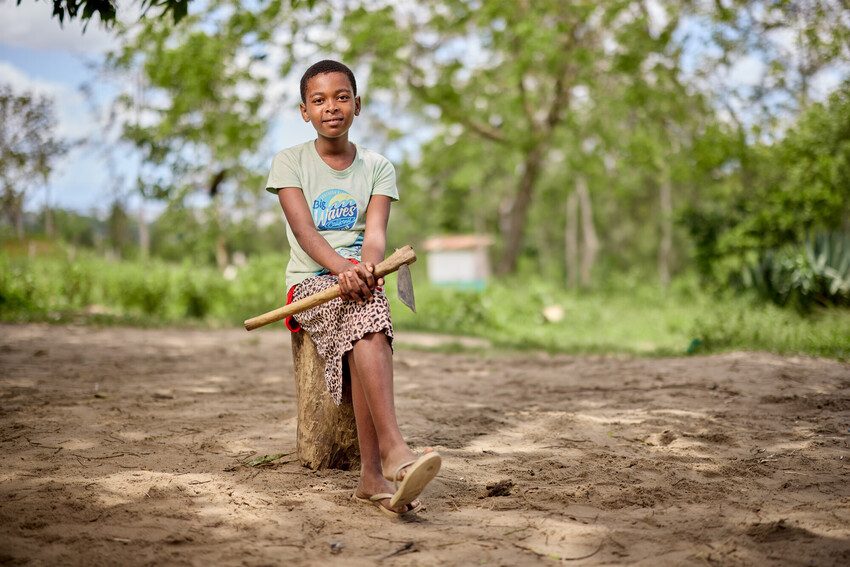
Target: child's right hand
357,282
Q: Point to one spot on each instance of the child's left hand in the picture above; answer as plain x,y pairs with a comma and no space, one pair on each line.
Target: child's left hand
357,282
371,268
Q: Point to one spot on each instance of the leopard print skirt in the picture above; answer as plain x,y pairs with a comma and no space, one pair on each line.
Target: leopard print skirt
336,325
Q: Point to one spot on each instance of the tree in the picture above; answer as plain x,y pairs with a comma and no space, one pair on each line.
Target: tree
576,131
119,230
789,45
533,85
75,228
502,71
28,149
797,186
199,122
106,10
505,75
201,107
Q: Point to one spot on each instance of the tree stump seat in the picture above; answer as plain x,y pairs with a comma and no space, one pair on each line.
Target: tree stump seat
327,434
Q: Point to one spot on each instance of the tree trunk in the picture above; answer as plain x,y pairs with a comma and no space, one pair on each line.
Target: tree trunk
514,236
20,231
13,208
590,242
571,240
144,235
49,227
665,248
222,258
327,433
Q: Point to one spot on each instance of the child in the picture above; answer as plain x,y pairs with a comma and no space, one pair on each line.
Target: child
336,198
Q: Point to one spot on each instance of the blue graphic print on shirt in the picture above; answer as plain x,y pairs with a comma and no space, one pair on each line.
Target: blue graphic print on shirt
334,209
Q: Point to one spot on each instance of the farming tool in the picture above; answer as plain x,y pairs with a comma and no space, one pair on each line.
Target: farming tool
399,261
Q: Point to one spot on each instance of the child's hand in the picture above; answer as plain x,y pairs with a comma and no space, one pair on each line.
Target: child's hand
357,282
378,281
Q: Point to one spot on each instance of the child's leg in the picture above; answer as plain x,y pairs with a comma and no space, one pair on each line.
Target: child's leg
371,476
372,358
367,437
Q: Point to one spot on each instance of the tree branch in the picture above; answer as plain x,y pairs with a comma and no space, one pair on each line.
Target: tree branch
482,129
562,94
526,104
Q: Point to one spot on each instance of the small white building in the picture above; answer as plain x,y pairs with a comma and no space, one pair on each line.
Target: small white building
459,260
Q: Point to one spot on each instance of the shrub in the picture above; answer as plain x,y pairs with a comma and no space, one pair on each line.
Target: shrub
259,286
139,288
817,273
17,288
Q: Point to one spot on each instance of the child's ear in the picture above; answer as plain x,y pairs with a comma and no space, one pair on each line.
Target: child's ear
303,108
357,106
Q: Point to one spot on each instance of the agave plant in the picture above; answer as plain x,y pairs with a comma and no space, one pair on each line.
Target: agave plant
816,273
829,256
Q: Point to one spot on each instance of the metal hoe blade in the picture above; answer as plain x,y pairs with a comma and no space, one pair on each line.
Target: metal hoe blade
405,287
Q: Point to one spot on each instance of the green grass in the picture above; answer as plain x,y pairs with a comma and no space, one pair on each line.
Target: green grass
738,324
57,288
641,320
627,316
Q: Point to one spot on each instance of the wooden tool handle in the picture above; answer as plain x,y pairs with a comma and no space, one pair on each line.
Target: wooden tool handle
404,255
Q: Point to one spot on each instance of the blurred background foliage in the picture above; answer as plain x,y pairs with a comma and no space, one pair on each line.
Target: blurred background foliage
673,176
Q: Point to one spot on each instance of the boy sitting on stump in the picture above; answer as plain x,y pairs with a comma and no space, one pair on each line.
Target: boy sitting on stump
336,197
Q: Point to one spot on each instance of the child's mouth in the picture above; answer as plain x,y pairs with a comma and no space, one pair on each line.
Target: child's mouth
334,121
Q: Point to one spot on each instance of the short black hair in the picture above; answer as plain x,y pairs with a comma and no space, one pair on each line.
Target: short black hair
326,66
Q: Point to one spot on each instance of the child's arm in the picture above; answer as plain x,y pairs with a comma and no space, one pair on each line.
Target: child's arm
355,281
375,239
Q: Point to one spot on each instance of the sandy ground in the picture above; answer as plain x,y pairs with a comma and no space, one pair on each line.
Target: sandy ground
123,447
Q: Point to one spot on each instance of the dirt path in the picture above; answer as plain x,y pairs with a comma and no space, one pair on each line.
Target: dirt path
122,446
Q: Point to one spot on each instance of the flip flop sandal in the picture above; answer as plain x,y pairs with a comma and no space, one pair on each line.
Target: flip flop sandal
421,472
375,500
395,479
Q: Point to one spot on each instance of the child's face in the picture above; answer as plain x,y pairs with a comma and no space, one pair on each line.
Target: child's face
331,105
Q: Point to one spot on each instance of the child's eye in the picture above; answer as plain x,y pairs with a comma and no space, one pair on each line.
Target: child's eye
318,101
343,97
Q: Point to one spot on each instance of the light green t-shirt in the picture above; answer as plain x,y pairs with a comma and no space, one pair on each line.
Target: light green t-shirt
337,200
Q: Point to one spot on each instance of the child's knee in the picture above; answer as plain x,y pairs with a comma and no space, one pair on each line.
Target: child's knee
372,338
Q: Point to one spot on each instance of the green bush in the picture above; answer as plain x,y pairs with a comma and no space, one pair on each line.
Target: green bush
779,193
17,288
138,289
76,284
738,323
815,274
259,286
200,293
627,315
151,290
